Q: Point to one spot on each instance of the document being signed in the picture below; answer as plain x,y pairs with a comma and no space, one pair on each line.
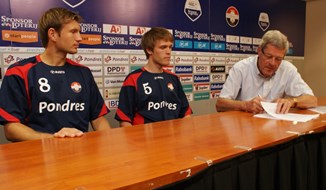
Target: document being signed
270,109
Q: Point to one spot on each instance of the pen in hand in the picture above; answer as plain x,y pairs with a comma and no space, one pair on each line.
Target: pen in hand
261,97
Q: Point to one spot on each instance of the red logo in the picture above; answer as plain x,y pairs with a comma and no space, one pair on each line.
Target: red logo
170,86
76,87
232,16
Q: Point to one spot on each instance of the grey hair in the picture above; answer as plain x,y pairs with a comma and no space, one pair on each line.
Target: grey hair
275,38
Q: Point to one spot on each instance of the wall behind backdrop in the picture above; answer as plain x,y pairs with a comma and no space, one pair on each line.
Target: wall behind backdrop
210,36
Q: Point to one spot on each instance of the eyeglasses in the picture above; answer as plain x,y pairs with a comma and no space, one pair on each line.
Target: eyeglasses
270,57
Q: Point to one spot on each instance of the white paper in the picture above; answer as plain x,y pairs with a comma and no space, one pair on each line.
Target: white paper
270,109
319,109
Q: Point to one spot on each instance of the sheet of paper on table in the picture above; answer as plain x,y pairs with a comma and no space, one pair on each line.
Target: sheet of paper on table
270,109
319,109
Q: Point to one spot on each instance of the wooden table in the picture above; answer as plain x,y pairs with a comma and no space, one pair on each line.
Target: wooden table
145,156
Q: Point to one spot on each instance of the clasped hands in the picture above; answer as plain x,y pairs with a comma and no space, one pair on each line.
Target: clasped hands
254,106
68,132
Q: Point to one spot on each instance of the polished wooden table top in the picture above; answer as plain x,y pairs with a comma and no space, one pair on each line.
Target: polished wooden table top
145,156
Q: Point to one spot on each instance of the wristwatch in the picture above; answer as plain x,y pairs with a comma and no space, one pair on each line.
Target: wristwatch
295,102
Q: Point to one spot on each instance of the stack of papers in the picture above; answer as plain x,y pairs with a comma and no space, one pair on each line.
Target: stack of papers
270,109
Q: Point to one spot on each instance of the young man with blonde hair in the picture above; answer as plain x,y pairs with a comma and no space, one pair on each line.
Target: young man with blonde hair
152,93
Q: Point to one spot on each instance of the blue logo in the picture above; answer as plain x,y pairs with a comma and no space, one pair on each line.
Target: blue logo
183,69
216,86
218,46
201,45
201,78
184,44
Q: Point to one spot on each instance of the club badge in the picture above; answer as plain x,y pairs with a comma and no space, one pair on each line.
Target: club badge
263,21
170,86
192,9
76,87
73,3
232,16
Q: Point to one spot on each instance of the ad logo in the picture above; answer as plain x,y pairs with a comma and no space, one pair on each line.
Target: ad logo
117,70
113,104
192,9
138,30
9,59
232,16
201,78
115,29
263,21
73,3
91,39
183,69
19,36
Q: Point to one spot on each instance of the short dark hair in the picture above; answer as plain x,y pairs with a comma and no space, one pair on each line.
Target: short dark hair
150,37
55,18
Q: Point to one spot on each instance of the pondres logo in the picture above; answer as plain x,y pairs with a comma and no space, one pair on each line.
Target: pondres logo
160,105
66,107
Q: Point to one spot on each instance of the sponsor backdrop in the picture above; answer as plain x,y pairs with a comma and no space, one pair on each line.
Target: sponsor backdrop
210,36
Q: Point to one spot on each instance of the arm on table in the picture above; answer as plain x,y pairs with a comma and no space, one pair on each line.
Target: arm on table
100,123
125,124
305,101
16,131
253,106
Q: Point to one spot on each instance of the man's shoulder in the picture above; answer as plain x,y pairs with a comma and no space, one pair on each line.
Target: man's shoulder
21,63
76,64
77,67
287,66
246,62
169,72
135,72
22,67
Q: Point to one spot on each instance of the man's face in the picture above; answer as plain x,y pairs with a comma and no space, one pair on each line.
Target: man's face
270,59
161,53
69,37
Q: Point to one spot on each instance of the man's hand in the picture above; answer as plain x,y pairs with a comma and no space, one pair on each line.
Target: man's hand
68,132
254,106
283,105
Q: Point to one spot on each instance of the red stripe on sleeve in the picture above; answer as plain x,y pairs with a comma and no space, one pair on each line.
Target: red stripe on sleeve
123,116
22,72
138,119
8,116
132,80
104,110
189,111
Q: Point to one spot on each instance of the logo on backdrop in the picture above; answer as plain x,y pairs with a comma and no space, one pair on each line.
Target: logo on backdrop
73,3
263,21
232,16
9,59
193,9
